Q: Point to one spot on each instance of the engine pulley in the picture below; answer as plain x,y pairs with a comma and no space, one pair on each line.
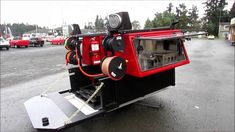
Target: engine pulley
115,67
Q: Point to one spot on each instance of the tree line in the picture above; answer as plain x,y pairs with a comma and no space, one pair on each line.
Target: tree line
100,24
189,18
186,17
19,28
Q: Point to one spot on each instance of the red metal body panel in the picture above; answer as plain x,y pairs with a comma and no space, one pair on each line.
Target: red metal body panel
86,49
19,43
133,67
57,41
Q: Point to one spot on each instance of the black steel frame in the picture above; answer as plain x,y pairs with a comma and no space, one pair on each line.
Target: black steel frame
115,93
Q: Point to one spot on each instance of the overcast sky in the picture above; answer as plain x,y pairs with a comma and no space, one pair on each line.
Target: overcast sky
53,13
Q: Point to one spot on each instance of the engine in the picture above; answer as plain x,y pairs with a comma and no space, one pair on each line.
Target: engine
110,70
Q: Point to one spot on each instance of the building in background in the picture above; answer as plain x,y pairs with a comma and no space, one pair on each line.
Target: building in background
231,36
66,29
223,29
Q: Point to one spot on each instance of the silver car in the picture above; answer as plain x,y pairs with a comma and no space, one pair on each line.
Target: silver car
4,43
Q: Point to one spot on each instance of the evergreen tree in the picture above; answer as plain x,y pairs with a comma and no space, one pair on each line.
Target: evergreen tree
99,24
170,8
232,11
85,27
182,15
193,18
148,24
90,25
19,28
225,16
214,11
163,19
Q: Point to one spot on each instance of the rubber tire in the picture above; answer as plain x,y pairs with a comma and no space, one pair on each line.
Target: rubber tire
26,46
41,45
7,48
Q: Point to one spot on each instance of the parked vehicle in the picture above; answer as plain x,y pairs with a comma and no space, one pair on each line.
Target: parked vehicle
4,43
26,37
49,38
58,40
231,36
35,41
188,38
18,42
9,39
211,37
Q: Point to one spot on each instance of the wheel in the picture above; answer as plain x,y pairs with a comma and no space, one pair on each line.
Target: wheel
26,46
41,45
7,48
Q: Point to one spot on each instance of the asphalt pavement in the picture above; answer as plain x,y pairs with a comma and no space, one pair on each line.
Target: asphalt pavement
25,64
202,100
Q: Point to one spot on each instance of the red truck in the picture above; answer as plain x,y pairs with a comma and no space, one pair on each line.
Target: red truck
18,42
57,41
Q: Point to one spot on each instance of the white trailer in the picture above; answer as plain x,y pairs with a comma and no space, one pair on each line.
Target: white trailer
232,31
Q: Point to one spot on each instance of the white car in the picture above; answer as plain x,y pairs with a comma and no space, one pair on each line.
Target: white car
4,43
26,37
210,37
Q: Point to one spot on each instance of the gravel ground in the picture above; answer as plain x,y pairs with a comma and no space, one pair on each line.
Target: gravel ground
202,100
24,64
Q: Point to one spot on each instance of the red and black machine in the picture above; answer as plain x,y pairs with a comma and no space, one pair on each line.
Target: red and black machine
110,70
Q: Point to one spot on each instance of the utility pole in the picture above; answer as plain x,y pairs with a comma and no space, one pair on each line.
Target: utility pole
219,22
36,30
5,30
